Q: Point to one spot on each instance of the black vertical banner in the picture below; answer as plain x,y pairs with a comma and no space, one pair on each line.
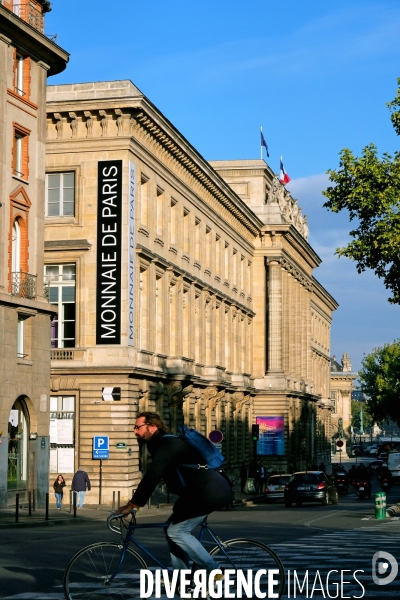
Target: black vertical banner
109,221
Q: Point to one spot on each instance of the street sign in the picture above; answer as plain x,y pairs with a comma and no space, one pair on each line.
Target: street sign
339,443
218,446
100,447
216,436
111,394
120,445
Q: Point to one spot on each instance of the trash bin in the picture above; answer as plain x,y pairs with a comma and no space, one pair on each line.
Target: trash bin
380,505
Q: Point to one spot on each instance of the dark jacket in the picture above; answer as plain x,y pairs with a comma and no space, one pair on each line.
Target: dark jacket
200,492
80,481
58,486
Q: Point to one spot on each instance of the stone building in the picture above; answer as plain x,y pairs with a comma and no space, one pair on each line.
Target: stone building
341,387
182,286
27,58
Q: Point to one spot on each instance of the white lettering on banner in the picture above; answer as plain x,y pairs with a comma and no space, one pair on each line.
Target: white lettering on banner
131,254
109,215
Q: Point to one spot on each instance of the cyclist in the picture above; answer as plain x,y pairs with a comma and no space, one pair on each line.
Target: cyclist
199,490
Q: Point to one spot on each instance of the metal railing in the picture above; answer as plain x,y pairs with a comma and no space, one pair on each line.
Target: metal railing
23,285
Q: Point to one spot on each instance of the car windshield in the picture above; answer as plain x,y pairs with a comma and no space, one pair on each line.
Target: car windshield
307,478
278,480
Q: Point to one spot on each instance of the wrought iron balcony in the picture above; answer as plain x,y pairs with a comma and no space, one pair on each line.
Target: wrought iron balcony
23,285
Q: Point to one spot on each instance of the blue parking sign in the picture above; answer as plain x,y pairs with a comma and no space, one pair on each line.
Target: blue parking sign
100,447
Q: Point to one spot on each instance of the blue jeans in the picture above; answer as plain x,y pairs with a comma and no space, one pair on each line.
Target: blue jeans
80,497
184,547
58,499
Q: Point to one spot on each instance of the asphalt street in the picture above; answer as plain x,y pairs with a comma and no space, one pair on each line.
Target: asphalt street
311,541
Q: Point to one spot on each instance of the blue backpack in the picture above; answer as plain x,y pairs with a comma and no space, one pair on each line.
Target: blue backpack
213,458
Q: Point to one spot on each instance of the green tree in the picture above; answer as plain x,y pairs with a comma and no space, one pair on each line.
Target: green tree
380,380
369,188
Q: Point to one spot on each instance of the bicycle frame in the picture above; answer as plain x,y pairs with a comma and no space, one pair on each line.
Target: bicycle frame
129,538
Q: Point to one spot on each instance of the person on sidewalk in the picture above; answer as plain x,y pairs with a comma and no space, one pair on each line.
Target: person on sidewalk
80,483
59,486
200,491
261,479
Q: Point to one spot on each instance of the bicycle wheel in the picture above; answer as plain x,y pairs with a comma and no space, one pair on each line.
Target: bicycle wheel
87,576
245,554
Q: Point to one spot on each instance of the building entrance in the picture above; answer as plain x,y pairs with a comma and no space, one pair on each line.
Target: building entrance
18,436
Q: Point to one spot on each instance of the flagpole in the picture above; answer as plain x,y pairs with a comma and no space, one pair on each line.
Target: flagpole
260,143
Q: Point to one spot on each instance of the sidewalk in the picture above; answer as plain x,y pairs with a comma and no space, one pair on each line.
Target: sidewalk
95,512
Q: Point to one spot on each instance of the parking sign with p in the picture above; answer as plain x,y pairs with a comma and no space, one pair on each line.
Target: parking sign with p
100,447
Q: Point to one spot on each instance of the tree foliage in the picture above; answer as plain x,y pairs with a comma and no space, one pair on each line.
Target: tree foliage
380,380
369,188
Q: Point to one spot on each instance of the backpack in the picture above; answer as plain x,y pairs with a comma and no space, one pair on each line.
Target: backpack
213,458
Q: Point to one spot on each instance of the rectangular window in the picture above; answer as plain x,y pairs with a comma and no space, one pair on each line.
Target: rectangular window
19,72
20,340
61,282
60,194
20,154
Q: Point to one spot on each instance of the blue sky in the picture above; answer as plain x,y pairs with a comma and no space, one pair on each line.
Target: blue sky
316,75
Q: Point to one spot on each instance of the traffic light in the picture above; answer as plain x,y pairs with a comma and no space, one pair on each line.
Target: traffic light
255,432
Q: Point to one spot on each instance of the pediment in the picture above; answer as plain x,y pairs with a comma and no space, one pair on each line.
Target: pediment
20,197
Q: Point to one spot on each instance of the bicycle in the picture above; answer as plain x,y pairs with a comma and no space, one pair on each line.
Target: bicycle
110,570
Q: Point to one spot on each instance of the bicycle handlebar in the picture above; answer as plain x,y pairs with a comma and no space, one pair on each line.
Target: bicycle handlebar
113,517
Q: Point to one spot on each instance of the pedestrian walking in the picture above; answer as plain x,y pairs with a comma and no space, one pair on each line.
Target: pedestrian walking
59,486
80,483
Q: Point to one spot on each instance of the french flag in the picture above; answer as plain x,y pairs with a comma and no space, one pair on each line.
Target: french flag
283,176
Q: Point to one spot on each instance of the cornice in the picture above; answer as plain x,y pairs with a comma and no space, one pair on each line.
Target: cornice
292,267
32,41
325,296
151,128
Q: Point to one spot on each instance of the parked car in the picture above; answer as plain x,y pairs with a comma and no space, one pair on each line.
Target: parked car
372,450
310,486
275,487
357,450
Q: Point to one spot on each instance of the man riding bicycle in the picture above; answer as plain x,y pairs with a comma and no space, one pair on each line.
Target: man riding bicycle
200,490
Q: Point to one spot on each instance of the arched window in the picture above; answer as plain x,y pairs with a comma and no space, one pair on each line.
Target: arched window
18,445
16,247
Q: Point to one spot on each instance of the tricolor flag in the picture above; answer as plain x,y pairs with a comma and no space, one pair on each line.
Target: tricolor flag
283,176
263,143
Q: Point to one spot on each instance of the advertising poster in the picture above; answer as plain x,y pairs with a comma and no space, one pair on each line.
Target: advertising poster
272,436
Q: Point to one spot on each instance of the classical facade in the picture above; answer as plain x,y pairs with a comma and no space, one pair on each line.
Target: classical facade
27,58
182,286
341,387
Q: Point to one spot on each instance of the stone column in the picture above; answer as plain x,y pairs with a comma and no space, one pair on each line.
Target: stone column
275,317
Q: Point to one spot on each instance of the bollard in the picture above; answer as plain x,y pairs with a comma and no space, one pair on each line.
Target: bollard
30,504
74,497
33,501
113,504
16,507
119,498
47,506
380,505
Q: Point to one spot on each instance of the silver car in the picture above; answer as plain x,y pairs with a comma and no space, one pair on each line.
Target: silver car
275,487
